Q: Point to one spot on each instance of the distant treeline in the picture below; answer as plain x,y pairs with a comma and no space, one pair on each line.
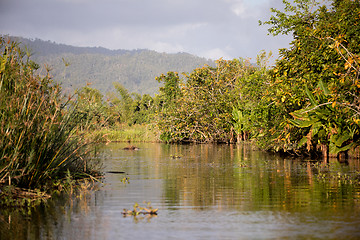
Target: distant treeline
76,67
45,48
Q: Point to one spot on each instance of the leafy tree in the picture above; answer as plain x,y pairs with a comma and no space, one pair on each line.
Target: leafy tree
144,109
252,108
317,75
121,107
131,108
170,91
216,104
167,100
201,110
91,108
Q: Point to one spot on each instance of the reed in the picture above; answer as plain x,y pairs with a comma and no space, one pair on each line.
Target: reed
39,140
126,133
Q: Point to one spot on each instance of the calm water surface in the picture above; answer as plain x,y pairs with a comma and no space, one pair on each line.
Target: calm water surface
202,192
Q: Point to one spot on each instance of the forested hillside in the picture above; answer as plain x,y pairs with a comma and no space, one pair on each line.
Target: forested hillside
136,70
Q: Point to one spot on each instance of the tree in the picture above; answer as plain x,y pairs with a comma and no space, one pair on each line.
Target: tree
167,100
131,108
317,75
121,107
203,108
250,114
170,92
91,108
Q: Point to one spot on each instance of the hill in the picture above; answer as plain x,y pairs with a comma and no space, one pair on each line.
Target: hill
136,70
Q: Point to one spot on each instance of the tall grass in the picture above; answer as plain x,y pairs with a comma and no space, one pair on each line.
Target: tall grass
39,143
125,133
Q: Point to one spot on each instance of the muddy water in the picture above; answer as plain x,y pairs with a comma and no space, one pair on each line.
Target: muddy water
202,192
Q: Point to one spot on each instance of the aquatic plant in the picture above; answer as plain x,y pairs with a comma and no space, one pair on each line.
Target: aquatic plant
137,210
39,140
176,156
125,180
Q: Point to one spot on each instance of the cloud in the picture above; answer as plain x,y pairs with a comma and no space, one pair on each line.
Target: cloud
247,8
167,47
238,8
208,28
216,53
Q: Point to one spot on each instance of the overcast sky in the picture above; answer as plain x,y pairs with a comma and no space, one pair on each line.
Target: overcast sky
207,28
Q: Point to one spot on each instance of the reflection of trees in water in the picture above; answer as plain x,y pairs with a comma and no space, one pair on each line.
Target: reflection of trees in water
237,176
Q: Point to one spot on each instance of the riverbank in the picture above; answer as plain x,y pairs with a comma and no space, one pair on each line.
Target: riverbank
126,133
149,133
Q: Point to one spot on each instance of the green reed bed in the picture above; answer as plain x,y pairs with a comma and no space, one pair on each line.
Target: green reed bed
39,140
125,133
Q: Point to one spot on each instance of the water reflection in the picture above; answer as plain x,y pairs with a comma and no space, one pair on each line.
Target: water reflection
202,191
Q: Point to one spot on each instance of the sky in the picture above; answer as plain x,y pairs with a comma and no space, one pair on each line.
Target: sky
206,28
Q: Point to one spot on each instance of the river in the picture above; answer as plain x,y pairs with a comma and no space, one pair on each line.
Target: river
202,192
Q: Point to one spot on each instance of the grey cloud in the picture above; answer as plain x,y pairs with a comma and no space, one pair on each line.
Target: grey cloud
196,26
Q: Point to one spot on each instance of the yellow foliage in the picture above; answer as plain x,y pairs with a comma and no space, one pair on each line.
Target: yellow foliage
356,121
347,65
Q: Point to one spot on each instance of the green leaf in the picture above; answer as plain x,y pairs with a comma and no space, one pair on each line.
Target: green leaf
339,139
3,60
303,123
316,128
302,141
335,149
299,114
323,87
322,134
311,96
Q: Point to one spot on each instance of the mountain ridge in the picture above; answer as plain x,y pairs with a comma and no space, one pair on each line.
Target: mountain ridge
76,67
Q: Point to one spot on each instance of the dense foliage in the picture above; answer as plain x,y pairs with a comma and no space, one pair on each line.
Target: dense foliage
215,104
117,109
316,80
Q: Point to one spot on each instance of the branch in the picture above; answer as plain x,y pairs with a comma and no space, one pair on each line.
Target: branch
337,44
323,104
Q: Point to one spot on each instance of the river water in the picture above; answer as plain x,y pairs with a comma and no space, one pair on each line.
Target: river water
202,192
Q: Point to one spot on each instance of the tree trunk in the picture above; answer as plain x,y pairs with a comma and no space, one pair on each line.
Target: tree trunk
239,138
325,152
342,156
231,136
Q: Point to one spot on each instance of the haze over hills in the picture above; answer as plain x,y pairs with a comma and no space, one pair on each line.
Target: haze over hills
136,70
